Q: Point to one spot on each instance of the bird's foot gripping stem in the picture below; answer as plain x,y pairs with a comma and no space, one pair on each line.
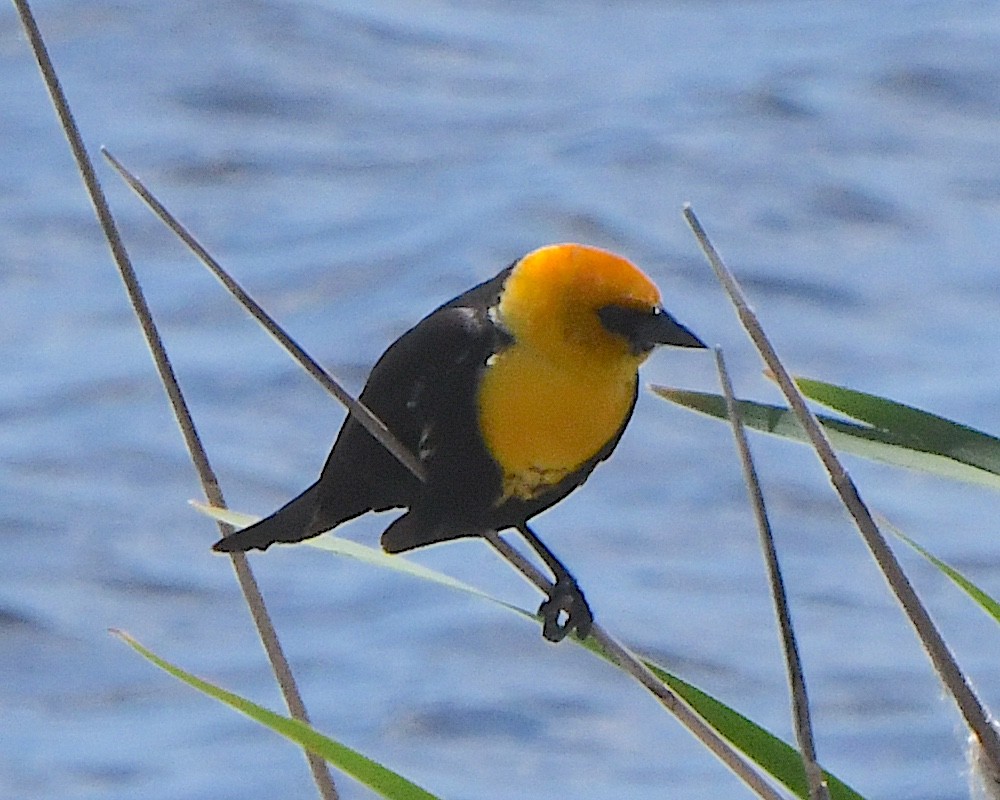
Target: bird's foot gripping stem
564,611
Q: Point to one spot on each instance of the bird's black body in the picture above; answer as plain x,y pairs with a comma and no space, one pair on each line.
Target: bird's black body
424,388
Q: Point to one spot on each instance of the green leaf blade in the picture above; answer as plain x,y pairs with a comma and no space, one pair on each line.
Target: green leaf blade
779,759
775,757
380,779
918,429
981,598
875,444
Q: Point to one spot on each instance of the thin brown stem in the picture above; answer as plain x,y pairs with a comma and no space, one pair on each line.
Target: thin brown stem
210,483
975,714
616,651
371,423
800,699
632,665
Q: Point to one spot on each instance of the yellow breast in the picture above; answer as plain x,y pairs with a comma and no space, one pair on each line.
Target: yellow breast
542,421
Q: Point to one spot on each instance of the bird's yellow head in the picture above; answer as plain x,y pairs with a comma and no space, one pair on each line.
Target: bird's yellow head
582,321
577,304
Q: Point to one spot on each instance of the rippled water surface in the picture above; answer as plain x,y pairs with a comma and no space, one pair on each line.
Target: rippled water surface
357,164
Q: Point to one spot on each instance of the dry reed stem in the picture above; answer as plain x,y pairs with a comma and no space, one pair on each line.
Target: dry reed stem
800,700
210,484
975,714
618,653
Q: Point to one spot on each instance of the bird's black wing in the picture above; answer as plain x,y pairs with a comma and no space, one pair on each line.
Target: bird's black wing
464,482
424,389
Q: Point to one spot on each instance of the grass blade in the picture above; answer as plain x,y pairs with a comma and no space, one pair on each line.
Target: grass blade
984,778
895,446
384,781
782,761
917,429
981,598
375,557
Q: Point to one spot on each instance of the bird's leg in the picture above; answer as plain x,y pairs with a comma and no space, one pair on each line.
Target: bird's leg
566,608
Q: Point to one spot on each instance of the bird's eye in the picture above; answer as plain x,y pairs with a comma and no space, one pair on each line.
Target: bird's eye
623,320
645,328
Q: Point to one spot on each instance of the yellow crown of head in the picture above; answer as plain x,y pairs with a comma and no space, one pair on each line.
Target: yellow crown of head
551,299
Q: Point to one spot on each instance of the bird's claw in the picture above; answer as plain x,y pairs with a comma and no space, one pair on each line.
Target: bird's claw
564,611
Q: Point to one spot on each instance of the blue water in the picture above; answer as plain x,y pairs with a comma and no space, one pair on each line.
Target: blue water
355,164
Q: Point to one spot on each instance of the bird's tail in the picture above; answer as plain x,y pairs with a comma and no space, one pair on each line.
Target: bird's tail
293,522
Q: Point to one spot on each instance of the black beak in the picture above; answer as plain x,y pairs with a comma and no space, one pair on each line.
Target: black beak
645,328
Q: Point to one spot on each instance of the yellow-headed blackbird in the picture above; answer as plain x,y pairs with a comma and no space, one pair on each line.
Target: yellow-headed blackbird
509,395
